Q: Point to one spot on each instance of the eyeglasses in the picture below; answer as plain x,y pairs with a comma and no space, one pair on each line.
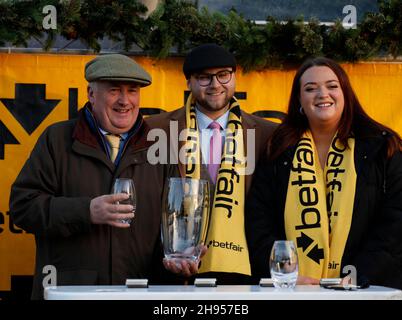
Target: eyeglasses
205,79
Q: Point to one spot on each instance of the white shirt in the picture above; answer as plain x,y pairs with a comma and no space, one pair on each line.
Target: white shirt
203,121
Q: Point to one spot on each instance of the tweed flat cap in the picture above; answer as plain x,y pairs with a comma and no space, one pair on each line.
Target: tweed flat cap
116,67
206,56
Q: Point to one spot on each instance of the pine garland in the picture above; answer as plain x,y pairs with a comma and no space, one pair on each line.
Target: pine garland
177,26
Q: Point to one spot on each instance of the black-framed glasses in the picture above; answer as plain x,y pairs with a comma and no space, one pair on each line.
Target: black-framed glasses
205,79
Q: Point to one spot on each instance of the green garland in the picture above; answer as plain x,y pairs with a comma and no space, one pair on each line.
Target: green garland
177,26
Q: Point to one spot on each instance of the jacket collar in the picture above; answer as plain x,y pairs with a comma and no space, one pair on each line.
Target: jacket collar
248,122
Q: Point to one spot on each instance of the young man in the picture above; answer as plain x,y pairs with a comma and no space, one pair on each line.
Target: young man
62,194
225,143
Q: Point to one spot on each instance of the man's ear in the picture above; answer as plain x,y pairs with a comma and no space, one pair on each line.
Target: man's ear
90,93
188,84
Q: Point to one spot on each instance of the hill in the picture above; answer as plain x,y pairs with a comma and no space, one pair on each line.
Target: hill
326,10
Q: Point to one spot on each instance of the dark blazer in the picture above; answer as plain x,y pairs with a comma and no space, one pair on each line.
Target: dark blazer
51,198
374,244
263,130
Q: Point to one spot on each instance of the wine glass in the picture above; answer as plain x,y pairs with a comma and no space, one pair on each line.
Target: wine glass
284,264
124,185
185,218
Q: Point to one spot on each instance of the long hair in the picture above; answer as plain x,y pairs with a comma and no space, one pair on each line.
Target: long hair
353,120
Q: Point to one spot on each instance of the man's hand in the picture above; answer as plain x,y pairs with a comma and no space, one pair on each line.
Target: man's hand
104,210
184,267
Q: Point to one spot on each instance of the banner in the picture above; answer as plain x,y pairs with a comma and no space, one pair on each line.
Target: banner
37,90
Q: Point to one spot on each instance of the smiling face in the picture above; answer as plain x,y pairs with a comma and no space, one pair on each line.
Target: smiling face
321,97
213,100
115,104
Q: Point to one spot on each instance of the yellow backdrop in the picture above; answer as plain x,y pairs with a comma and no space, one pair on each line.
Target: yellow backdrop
378,85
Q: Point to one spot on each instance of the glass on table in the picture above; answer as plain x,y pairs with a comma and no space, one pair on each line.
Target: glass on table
283,264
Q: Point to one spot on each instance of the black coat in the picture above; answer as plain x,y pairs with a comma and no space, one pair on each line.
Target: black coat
374,244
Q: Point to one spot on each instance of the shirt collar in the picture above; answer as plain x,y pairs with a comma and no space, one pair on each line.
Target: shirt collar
122,135
203,121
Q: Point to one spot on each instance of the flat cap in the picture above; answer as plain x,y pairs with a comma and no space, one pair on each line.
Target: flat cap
116,67
206,56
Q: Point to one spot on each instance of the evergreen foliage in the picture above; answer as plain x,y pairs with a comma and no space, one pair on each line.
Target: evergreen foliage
177,26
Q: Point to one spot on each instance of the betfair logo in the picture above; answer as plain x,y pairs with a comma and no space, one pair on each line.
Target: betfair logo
10,225
304,241
29,107
225,245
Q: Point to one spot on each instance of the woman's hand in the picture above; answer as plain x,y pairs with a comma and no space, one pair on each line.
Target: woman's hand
307,280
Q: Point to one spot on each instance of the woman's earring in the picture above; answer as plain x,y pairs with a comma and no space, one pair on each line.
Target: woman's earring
301,110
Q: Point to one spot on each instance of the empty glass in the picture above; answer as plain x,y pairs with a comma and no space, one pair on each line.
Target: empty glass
185,218
124,185
284,264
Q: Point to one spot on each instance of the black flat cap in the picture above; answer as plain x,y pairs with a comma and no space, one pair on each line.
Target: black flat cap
206,56
116,67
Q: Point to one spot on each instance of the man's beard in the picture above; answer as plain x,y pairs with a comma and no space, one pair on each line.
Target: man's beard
213,107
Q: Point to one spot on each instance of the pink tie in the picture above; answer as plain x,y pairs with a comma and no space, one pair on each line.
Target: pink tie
215,150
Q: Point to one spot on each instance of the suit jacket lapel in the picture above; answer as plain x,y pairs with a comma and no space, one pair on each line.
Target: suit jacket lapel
180,117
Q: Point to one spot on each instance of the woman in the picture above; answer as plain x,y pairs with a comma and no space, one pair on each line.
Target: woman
332,183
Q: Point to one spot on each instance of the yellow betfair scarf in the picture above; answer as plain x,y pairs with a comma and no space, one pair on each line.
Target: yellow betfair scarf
319,206
226,240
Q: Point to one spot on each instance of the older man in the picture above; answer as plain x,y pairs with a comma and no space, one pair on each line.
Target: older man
222,135
62,194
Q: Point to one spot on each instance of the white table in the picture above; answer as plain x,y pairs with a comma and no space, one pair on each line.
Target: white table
216,293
